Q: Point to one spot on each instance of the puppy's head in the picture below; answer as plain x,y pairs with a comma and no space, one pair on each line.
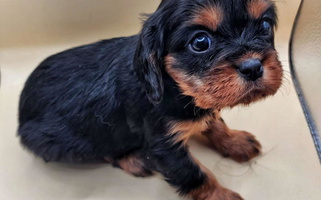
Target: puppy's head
220,52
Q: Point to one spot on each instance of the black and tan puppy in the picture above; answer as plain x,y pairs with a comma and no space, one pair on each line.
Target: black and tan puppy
135,101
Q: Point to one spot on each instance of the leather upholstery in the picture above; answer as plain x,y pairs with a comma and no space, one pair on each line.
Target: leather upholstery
305,55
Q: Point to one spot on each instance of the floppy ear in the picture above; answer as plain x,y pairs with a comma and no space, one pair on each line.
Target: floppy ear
148,61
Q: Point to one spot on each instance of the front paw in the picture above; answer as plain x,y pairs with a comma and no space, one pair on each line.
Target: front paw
240,146
225,194
220,194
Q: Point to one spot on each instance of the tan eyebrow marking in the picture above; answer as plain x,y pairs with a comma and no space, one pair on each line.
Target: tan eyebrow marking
209,17
256,8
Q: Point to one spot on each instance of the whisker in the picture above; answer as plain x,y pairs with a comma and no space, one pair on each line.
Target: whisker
218,166
188,104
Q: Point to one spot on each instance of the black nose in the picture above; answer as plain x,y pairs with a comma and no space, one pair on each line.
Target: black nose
251,69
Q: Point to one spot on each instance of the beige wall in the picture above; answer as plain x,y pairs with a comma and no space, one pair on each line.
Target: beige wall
35,22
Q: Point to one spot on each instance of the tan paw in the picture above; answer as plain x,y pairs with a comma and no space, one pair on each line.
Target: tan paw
240,146
219,194
224,194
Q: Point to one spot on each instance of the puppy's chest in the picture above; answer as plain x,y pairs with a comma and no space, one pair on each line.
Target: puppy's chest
183,130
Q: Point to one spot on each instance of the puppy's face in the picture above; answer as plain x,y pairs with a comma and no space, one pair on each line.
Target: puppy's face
221,52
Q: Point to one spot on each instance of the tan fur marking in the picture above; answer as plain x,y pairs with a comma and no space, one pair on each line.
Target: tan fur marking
132,164
208,188
221,86
257,7
272,78
209,17
241,146
215,90
211,189
185,129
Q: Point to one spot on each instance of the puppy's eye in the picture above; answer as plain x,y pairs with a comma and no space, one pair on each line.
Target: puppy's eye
267,27
201,43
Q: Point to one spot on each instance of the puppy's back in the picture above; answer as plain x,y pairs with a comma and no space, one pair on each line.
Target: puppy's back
70,99
77,75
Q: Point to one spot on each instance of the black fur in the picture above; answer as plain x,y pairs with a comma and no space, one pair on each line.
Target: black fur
113,97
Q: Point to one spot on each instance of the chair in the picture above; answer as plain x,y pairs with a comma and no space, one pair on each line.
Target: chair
305,64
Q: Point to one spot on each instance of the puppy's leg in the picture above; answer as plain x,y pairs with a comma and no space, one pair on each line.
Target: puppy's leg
131,164
180,170
241,146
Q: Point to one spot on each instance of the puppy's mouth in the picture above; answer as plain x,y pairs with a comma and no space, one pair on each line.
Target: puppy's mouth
253,91
227,86
262,79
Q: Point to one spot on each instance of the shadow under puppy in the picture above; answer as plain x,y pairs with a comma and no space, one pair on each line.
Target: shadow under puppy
135,101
